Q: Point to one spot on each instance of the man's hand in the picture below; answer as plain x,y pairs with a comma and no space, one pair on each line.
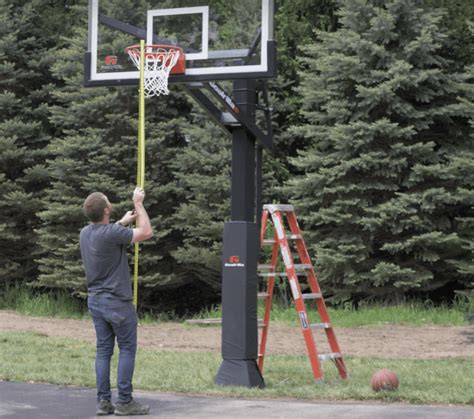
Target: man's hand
143,231
138,196
129,217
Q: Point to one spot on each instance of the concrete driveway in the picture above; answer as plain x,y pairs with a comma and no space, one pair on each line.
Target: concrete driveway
23,400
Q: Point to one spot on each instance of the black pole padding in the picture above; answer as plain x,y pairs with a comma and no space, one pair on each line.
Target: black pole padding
258,186
239,307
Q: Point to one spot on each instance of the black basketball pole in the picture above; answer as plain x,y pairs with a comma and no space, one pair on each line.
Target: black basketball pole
239,272
258,186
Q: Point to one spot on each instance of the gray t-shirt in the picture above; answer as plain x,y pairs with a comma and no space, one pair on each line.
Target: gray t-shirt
103,250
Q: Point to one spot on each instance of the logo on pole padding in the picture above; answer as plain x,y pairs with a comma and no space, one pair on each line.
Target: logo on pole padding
234,262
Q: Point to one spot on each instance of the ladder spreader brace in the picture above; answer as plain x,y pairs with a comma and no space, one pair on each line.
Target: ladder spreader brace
280,243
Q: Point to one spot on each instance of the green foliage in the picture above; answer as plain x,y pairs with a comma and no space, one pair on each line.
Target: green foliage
385,189
203,174
296,22
27,31
459,20
56,303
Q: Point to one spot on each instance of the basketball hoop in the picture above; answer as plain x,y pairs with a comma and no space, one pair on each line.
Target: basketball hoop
159,61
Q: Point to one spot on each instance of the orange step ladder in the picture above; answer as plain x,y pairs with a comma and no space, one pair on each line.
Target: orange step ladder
280,245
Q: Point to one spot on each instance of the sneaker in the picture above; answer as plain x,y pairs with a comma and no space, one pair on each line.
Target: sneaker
105,407
131,408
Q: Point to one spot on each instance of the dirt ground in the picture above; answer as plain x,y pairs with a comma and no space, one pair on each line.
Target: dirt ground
389,341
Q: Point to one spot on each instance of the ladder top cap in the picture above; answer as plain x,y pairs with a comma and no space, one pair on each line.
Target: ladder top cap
278,207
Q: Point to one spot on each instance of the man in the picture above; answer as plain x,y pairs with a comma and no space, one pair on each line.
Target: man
103,250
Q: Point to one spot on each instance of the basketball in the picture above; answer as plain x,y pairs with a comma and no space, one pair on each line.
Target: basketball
385,380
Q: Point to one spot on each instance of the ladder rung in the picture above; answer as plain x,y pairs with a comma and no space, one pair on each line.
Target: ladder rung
275,207
265,274
311,296
260,266
262,295
260,323
289,237
329,356
320,326
302,266
295,236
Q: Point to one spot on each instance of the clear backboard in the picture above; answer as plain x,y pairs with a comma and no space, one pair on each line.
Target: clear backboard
221,39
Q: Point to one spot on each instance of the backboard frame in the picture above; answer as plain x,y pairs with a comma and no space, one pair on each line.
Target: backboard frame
267,68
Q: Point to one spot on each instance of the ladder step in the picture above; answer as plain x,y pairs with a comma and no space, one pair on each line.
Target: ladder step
262,295
265,274
329,356
289,237
298,266
320,326
302,266
311,296
274,207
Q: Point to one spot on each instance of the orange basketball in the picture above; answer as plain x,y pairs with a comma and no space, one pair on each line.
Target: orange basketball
385,380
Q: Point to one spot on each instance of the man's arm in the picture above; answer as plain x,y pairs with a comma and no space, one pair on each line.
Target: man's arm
143,231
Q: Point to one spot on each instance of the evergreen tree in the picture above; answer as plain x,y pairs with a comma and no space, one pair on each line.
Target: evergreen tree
295,24
462,167
459,21
202,171
95,150
383,189
28,33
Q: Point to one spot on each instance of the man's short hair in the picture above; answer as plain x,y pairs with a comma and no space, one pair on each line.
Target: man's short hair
94,206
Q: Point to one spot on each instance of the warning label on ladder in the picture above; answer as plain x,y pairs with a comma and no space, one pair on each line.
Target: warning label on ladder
294,288
304,320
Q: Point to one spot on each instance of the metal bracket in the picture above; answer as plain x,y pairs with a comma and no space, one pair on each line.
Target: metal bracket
232,116
224,99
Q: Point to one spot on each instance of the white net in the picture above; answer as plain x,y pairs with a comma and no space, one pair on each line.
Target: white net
159,60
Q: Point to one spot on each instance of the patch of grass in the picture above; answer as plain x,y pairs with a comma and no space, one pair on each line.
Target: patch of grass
151,318
26,356
408,313
25,300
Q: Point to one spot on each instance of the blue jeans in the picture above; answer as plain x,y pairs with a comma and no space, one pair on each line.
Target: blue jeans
114,319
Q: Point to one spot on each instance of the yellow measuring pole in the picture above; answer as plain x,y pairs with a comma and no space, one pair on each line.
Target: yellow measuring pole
140,156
